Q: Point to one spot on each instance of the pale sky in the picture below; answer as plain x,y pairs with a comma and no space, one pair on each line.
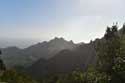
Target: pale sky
39,20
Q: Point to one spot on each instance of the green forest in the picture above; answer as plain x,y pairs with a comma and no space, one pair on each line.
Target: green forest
109,68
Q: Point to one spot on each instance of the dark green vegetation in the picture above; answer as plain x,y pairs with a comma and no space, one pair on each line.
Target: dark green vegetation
11,76
2,66
100,61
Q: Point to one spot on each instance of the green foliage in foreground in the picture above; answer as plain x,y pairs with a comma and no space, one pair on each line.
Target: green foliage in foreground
78,76
111,54
11,76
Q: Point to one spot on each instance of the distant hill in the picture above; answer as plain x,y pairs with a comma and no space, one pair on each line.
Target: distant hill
13,56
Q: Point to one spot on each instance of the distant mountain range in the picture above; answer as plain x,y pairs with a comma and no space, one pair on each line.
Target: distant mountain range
51,57
65,61
13,56
54,56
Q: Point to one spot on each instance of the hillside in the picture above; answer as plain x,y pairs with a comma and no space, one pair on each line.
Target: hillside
66,61
13,56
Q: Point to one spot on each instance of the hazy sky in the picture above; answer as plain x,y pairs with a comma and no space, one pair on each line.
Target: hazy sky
77,20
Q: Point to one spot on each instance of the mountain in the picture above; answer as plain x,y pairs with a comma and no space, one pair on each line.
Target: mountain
66,60
13,56
54,56
38,69
47,50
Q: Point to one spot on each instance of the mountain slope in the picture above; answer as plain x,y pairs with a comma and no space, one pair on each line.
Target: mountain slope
46,50
14,56
67,60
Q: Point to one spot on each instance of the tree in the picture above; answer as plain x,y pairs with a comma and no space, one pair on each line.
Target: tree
2,66
110,54
123,29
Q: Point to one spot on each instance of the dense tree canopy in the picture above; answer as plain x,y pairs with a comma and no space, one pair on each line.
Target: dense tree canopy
111,55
